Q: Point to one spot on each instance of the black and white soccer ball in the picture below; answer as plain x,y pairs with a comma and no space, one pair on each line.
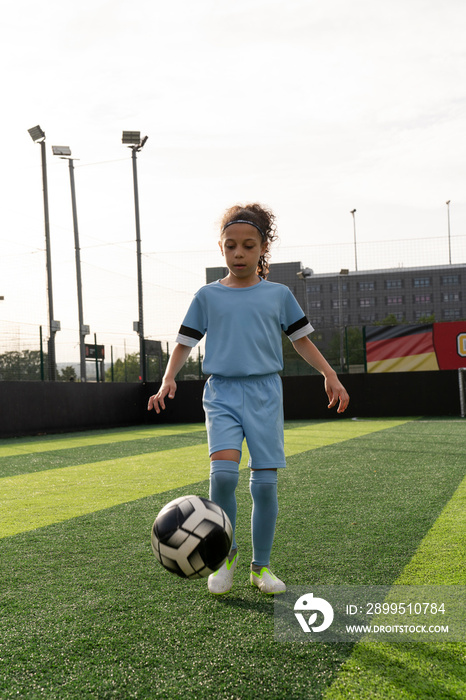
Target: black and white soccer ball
191,537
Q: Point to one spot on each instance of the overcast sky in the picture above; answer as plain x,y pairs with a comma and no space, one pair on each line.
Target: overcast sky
314,108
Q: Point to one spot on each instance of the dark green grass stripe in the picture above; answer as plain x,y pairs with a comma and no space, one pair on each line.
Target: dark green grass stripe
41,460
364,509
35,461
420,437
95,446
389,671
56,459
54,440
87,612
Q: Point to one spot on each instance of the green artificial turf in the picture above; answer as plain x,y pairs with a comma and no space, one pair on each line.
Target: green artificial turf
427,670
87,612
56,485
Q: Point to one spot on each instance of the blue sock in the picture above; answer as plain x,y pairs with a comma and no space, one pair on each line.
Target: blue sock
224,477
263,487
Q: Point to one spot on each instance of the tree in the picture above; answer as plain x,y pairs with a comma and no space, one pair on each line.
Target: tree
128,369
67,374
21,365
427,319
353,347
389,320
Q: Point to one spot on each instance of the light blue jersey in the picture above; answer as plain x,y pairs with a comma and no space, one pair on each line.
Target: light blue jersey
243,327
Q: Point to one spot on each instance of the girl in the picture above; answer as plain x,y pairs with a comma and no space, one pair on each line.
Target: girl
242,317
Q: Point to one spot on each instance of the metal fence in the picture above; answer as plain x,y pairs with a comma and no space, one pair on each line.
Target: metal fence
23,357
170,280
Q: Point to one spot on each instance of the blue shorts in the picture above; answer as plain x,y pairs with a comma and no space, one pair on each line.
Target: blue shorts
246,407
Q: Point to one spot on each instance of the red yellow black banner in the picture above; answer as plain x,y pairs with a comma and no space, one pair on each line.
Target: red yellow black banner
416,348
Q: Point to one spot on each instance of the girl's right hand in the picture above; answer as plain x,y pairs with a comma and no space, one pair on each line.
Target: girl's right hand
168,388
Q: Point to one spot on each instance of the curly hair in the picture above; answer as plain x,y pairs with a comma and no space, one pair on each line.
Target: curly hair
264,219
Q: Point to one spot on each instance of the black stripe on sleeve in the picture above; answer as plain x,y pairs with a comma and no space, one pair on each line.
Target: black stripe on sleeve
191,333
297,325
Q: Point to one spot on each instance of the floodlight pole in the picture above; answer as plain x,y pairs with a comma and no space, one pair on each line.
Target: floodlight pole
83,330
142,350
38,136
353,212
449,237
137,144
65,153
52,364
345,272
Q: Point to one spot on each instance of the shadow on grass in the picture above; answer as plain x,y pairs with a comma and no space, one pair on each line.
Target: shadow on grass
395,671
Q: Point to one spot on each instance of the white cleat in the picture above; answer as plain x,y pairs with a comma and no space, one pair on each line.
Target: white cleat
221,581
267,582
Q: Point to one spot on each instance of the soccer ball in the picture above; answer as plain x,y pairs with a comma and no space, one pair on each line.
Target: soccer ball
191,537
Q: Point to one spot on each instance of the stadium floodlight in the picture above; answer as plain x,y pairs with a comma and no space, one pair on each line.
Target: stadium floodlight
38,136
304,273
64,152
36,133
61,150
133,140
131,137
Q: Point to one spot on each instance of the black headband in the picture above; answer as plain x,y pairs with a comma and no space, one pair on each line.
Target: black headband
244,221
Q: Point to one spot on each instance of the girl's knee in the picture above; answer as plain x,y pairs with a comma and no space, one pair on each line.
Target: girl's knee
224,473
228,455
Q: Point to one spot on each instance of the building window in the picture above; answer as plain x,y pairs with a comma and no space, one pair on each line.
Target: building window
393,284
422,314
314,288
344,320
316,321
368,318
449,279
315,304
451,296
336,303
368,301
451,314
422,281
422,298
337,287
394,301
367,286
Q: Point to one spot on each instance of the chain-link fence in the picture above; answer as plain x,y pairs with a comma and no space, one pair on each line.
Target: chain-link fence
171,278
